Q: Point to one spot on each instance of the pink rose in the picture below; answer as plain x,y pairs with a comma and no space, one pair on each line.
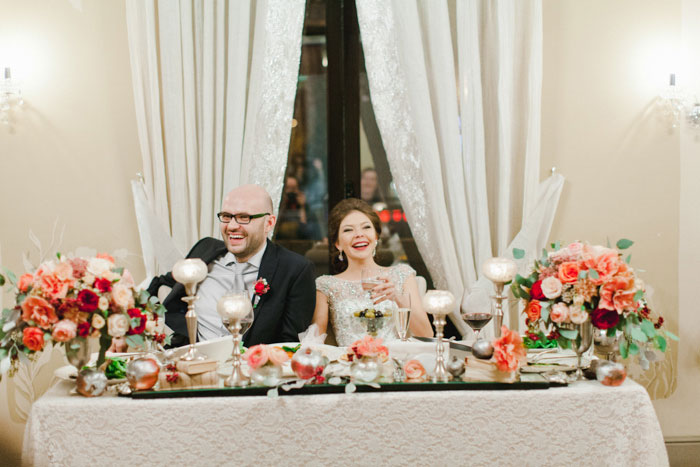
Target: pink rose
79,266
38,310
277,356
414,369
64,330
575,249
620,282
559,313
33,338
122,296
606,265
568,272
551,287
257,356
577,315
25,280
127,280
64,271
624,300
369,347
54,287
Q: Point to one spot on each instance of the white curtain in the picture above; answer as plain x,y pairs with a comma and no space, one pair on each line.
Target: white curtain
214,88
456,90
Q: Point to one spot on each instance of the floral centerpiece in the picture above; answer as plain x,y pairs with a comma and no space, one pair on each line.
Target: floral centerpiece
367,347
67,300
265,363
583,282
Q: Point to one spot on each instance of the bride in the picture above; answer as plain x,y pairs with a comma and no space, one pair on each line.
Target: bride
353,229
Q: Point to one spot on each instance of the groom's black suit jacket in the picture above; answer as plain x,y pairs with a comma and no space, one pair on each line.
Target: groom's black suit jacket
281,313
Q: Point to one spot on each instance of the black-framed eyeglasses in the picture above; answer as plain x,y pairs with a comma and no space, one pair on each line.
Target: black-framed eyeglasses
241,219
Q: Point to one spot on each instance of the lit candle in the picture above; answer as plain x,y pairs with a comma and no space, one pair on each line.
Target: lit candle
438,302
234,307
500,269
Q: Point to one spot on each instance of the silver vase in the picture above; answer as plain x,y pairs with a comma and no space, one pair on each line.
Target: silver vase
581,343
606,345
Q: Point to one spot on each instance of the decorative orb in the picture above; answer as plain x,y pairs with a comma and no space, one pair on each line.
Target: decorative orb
190,271
91,383
610,373
499,269
234,307
142,373
365,369
438,302
482,350
266,375
306,363
456,367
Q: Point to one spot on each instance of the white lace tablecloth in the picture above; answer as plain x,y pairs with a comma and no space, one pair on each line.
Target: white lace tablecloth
583,424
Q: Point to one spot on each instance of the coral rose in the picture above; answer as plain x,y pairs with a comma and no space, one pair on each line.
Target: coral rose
568,272
559,313
606,265
369,347
106,256
117,325
414,369
65,330
40,311
578,315
257,356
508,350
277,356
604,319
624,300
533,310
64,271
25,281
54,287
551,287
536,291
33,338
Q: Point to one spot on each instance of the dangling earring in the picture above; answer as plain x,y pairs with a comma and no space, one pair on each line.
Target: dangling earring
340,255
374,252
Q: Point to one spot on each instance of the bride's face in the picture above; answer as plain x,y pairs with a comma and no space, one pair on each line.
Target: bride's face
356,236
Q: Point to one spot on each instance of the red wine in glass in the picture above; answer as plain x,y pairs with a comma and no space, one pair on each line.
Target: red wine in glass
476,321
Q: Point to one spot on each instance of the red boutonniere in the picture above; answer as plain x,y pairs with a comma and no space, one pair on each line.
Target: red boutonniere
261,288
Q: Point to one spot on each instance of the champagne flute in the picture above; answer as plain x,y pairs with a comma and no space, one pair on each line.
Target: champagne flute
402,316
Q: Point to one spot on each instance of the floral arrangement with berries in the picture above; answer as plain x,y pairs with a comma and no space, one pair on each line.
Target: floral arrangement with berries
69,299
583,282
368,346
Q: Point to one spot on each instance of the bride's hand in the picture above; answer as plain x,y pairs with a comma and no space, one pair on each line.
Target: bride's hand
385,291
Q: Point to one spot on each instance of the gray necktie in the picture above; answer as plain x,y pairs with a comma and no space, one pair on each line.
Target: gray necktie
238,283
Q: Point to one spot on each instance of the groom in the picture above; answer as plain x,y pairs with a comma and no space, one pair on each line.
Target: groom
242,260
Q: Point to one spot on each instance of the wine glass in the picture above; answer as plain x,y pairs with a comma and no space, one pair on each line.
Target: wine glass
402,316
475,316
369,278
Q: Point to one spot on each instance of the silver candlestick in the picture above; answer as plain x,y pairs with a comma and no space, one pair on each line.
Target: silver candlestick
500,271
439,303
233,308
190,272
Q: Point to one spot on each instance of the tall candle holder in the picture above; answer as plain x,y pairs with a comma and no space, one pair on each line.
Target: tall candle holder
439,303
500,271
233,308
190,272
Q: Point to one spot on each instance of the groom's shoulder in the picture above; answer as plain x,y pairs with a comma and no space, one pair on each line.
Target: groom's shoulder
205,245
290,258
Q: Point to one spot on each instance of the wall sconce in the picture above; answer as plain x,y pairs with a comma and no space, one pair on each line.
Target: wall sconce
673,101
10,96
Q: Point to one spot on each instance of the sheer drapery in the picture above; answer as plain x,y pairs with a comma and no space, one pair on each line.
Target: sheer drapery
214,87
458,106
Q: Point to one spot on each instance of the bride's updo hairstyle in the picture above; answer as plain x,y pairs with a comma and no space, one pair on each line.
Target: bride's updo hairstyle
336,216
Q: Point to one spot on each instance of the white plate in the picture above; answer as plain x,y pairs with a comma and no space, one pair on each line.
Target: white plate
330,351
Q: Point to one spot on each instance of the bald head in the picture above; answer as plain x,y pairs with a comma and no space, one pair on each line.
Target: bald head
253,195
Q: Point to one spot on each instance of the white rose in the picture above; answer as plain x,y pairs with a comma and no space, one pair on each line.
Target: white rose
103,304
150,326
98,267
559,312
577,315
97,320
122,296
551,287
88,278
117,325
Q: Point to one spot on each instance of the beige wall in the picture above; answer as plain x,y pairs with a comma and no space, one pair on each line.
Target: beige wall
628,174
72,151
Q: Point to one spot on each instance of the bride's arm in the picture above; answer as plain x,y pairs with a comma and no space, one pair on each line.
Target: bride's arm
419,323
320,318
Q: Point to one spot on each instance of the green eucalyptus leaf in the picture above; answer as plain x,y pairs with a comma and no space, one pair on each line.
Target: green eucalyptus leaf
582,274
611,332
648,328
518,253
638,335
624,348
2,280
143,297
153,300
135,340
624,243
10,276
634,348
570,334
660,343
556,245
593,274
519,279
119,270
628,260
671,335
638,295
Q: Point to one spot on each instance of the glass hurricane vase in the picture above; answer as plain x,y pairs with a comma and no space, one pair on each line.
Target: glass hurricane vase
366,369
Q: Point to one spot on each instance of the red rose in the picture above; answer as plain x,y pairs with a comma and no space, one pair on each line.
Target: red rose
136,313
103,285
87,300
604,319
84,329
261,287
33,339
536,291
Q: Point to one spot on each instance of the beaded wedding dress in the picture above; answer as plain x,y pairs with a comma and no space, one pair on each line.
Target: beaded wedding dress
346,297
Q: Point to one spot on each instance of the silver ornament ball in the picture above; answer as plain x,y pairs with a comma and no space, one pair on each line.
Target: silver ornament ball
482,349
91,383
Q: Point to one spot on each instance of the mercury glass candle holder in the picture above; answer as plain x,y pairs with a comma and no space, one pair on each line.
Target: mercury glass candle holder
439,303
233,308
190,272
500,271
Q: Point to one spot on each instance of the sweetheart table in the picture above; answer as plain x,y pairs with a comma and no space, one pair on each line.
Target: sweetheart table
582,424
